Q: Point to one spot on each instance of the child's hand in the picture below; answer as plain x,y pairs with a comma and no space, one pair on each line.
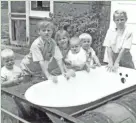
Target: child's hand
93,66
68,62
109,67
67,76
53,78
72,73
16,80
69,73
115,67
87,67
99,64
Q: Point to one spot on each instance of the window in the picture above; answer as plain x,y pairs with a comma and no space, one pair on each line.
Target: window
41,8
18,7
40,5
19,30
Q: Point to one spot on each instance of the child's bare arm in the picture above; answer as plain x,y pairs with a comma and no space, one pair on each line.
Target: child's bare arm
109,52
96,60
110,62
61,66
120,56
67,61
44,67
116,64
78,68
10,83
87,67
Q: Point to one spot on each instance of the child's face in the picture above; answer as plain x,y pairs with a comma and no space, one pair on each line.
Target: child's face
9,62
120,21
46,33
75,47
86,43
63,41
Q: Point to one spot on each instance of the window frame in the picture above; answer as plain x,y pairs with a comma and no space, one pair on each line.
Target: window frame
41,14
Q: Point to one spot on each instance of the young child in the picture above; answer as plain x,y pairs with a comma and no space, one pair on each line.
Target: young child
10,74
86,41
118,42
42,50
62,38
76,57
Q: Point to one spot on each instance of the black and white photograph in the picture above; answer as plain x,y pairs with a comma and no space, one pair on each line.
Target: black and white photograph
68,61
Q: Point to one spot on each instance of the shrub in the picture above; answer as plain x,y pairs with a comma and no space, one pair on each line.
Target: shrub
88,21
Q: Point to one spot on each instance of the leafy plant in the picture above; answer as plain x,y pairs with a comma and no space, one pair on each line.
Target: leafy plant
87,22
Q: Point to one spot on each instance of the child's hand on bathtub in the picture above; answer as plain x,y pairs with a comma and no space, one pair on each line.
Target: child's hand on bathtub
53,78
69,73
115,67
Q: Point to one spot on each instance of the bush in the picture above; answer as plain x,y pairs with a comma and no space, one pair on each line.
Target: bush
86,22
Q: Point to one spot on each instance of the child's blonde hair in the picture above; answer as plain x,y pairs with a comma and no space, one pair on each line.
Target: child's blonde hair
119,13
60,33
44,24
7,53
74,39
85,36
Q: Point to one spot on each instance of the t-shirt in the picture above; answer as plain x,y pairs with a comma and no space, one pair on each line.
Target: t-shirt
118,40
40,51
7,74
77,59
